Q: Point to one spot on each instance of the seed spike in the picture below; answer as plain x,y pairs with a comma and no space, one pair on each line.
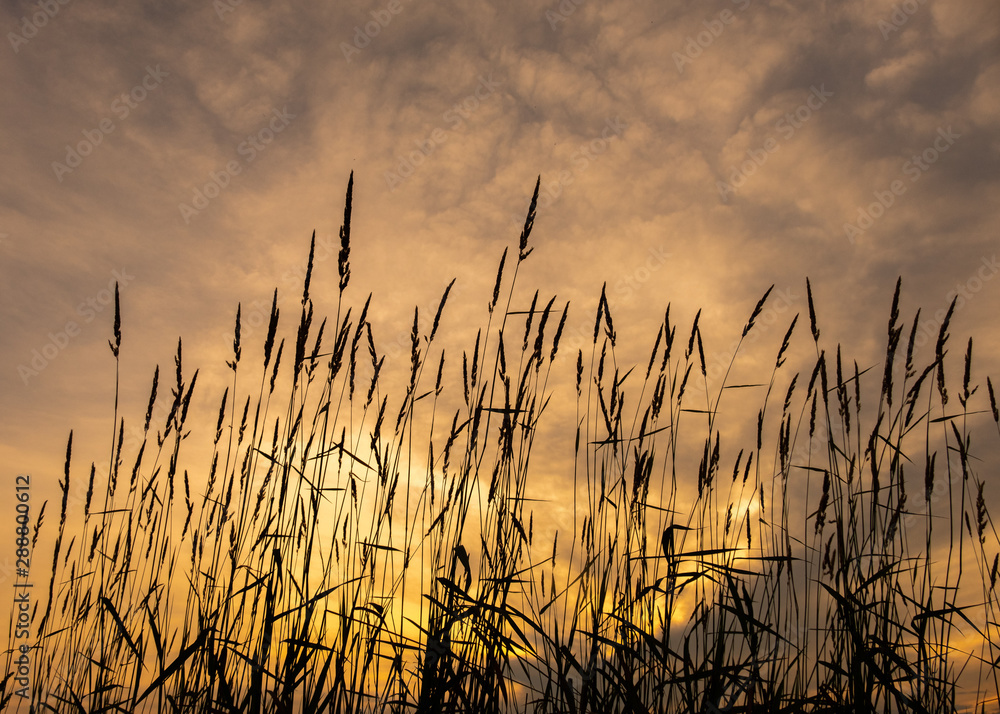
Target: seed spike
756,311
343,258
529,222
812,312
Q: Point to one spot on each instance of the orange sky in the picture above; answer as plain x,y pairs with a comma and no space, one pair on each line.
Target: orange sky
690,152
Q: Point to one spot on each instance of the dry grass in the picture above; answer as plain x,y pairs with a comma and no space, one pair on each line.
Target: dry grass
341,559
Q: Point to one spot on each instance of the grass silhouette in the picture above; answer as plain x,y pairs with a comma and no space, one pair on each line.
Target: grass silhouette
350,554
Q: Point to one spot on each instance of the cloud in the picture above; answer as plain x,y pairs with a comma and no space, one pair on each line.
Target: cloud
638,208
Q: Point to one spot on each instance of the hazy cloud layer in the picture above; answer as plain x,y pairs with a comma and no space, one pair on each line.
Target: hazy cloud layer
693,153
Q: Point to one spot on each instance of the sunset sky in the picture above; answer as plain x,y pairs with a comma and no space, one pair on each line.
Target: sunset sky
689,152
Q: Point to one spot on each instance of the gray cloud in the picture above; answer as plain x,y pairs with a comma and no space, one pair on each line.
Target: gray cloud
639,208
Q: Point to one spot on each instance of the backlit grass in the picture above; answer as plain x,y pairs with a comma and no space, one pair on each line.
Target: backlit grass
345,549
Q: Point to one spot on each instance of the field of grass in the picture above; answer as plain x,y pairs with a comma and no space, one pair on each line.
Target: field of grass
349,550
